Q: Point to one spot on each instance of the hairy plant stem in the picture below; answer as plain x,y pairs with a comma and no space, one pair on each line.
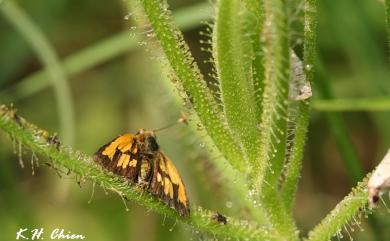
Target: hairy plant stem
349,209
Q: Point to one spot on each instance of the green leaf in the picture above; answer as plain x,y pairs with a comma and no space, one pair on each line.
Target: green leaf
294,165
254,31
233,54
266,174
275,97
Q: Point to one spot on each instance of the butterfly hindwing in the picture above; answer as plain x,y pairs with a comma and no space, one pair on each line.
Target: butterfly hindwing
181,198
168,185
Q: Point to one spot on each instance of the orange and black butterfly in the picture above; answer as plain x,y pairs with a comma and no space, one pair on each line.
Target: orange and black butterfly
138,159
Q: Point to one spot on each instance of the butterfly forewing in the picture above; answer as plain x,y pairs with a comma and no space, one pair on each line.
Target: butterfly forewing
120,156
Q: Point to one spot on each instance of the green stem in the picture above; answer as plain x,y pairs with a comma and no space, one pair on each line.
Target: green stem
38,141
100,52
347,210
47,55
362,104
191,81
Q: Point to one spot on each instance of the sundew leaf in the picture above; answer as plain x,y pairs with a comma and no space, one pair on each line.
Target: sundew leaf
233,54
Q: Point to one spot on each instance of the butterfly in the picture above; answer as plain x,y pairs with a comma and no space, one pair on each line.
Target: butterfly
138,158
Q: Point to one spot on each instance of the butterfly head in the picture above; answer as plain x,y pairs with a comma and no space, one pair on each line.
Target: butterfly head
148,138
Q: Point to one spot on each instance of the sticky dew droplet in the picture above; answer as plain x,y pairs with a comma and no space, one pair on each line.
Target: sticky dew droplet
127,16
229,204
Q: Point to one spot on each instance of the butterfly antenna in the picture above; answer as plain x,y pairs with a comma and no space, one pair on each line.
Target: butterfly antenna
182,119
165,127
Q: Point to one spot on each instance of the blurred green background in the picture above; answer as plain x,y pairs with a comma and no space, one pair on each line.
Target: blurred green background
127,91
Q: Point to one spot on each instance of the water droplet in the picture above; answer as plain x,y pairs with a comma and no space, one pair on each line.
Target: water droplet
127,16
229,204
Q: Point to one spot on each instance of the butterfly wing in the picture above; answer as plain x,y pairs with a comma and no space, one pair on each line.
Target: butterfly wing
167,185
120,156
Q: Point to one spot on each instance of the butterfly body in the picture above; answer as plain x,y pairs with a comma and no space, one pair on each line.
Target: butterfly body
138,158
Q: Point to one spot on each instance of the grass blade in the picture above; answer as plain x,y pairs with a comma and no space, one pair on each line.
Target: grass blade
344,105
